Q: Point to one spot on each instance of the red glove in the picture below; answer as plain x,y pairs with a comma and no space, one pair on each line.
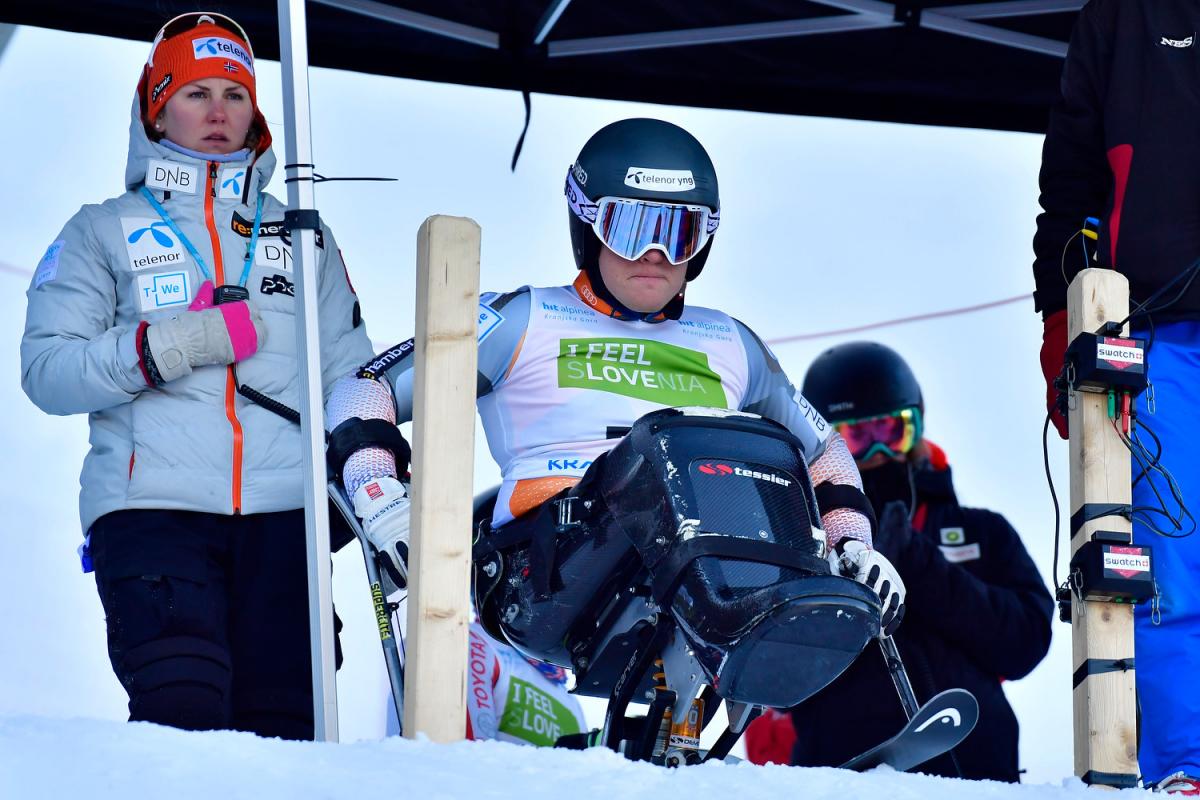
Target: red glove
1054,350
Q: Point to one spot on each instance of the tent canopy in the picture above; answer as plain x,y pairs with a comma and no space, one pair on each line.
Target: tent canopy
979,63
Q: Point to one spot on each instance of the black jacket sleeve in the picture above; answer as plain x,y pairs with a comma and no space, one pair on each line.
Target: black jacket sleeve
995,609
1075,178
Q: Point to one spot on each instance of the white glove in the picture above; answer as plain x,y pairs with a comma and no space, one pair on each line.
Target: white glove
871,568
383,506
204,335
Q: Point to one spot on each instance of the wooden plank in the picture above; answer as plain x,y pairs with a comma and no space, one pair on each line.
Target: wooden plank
1105,705
443,467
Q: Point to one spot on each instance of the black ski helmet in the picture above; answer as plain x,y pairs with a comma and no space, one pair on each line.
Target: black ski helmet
611,164
861,379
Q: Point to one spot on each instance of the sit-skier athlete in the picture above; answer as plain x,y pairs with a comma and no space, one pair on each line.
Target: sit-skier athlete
565,371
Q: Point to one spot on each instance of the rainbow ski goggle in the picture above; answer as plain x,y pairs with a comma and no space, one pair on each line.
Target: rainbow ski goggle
892,434
631,228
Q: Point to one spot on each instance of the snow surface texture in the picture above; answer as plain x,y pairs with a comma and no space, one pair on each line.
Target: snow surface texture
104,760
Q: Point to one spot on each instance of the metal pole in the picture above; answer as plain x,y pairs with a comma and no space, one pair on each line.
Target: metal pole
390,637
895,667
293,51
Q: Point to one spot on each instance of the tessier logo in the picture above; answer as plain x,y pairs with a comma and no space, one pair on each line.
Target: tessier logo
715,468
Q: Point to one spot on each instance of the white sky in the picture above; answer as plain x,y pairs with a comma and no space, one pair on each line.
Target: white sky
825,224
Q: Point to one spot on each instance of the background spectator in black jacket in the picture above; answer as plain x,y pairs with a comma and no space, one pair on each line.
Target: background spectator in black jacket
978,612
1123,147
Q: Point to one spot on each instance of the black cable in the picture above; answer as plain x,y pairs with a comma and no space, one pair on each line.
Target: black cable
1140,309
269,403
1053,496
1152,464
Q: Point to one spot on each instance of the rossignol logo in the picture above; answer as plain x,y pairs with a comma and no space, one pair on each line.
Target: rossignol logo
717,468
660,180
160,87
220,47
1179,43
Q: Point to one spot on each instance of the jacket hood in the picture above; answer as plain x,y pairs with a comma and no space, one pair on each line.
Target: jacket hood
142,150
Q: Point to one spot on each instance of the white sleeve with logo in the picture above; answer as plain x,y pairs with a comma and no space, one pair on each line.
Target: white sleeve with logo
770,394
502,322
74,358
524,706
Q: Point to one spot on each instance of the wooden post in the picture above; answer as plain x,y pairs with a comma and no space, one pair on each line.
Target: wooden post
443,466
1105,702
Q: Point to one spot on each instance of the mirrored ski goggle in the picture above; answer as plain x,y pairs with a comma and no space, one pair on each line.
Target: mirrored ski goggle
631,228
184,23
892,434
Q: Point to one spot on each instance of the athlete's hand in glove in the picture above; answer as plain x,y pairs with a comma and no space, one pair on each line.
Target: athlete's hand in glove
204,334
382,505
855,560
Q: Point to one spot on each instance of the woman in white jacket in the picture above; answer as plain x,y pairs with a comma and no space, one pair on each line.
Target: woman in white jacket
150,313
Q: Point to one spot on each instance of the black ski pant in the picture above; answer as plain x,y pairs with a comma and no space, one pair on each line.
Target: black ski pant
208,618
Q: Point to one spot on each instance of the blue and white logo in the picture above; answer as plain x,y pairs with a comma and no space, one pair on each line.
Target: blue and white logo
163,290
220,47
47,268
232,180
150,243
567,464
489,320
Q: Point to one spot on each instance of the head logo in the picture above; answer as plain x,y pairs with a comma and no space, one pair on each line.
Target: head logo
153,230
714,468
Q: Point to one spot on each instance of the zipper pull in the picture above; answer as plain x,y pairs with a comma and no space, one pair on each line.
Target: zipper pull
212,178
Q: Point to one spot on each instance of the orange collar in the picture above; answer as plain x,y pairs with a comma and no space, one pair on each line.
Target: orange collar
583,287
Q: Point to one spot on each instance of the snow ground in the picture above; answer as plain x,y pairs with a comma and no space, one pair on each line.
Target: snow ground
106,760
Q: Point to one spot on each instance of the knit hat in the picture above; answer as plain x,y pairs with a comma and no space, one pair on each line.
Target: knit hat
192,47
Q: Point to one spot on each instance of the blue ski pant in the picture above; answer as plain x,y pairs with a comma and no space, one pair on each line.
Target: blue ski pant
1167,631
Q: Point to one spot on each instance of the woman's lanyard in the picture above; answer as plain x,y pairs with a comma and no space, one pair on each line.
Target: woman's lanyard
250,248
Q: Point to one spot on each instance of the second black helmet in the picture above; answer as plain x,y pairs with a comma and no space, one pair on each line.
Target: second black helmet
861,379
